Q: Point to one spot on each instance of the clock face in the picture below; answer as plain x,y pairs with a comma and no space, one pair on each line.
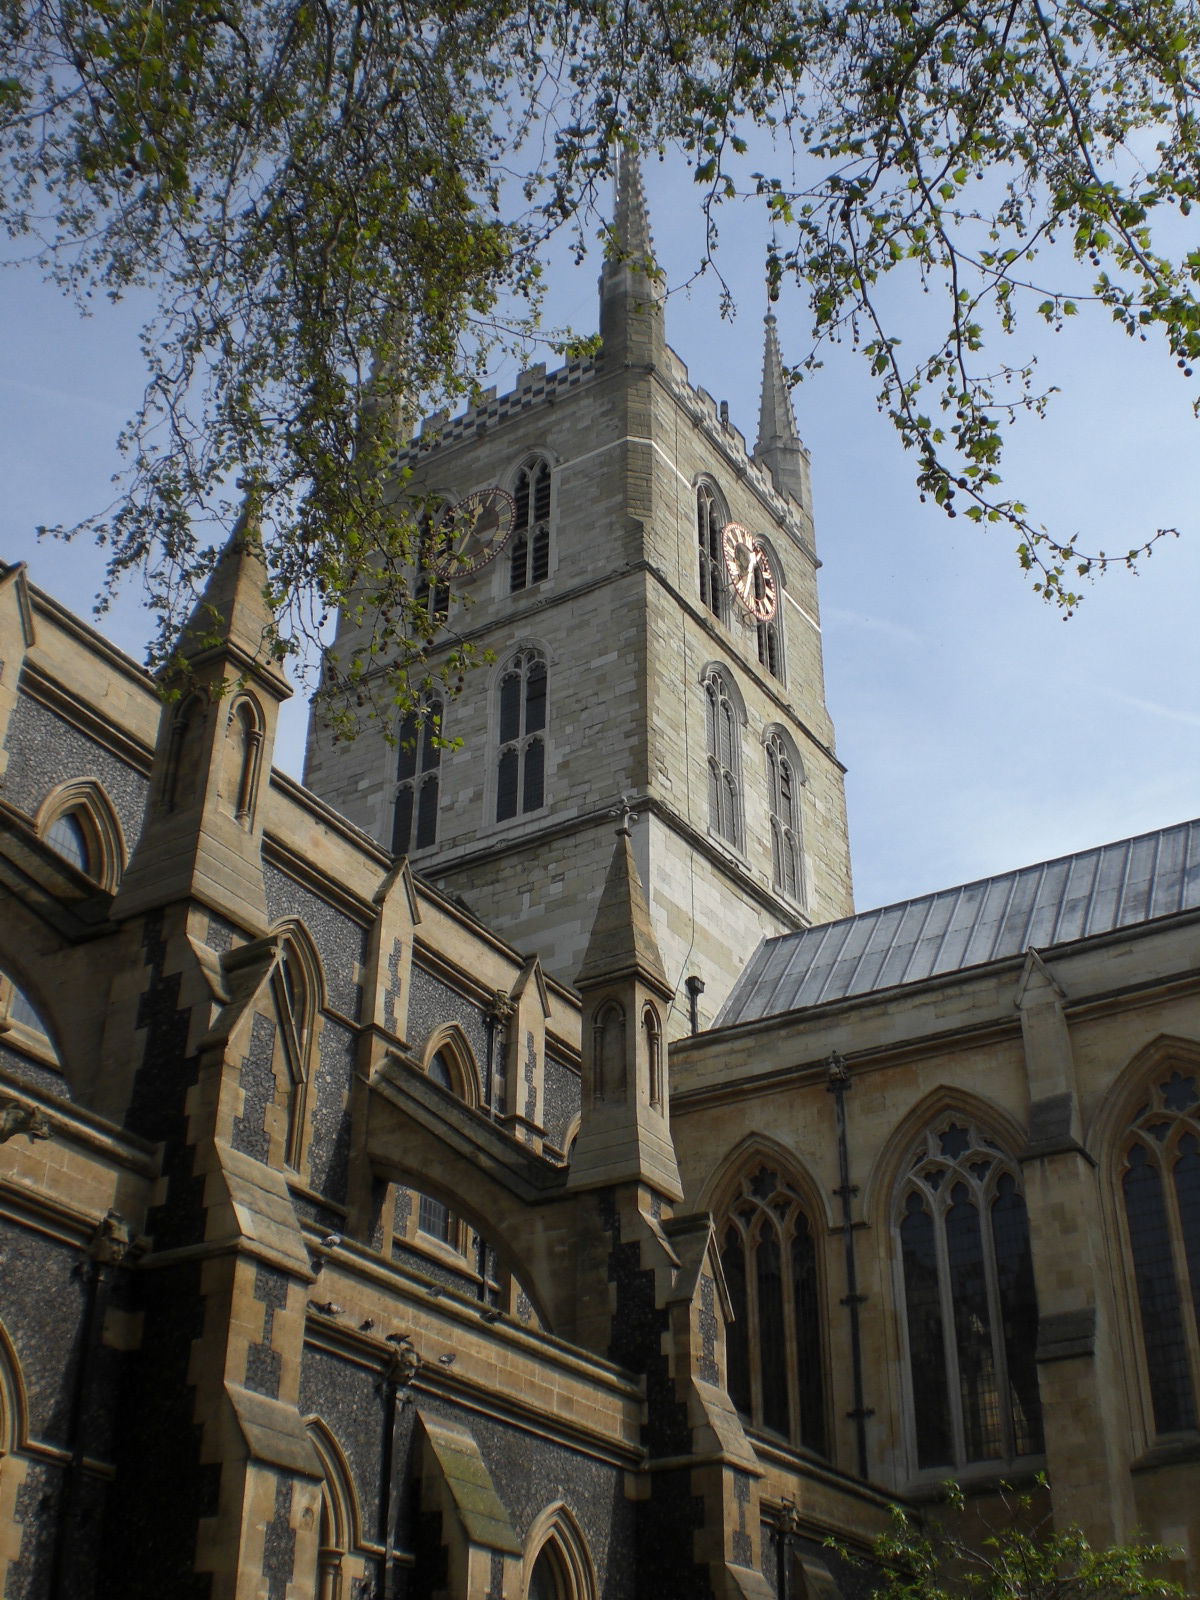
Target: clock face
473,532
751,576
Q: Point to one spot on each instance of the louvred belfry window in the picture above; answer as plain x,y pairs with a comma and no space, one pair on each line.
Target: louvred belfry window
521,767
970,1306
529,562
786,860
721,733
1160,1182
709,521
773,1344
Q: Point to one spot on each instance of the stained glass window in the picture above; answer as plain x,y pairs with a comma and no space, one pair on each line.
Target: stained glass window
773,1347
1161,1186
970,1307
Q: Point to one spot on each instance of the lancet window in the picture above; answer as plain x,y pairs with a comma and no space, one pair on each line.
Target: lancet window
710,520
418,763
521,763
773,1345
529,562
721,732
770,644
1160,1181
783,796
970,1305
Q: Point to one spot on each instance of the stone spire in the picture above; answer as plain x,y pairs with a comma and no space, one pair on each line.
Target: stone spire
624,1132
233,618
779,447
631,291
201,844
622,943
632,241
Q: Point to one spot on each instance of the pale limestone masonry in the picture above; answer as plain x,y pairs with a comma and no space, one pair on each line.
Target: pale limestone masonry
627,642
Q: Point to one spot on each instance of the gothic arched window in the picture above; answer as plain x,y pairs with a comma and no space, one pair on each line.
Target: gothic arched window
68,838
295,1008
78,822
529,562
971,1310
608,1053
1160,1181
773,1345
521,765
709,522
414,819
247,718
783,780
431,592
721,733
770,641
654,1056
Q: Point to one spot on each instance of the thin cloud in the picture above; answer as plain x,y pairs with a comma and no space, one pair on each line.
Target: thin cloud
1155,709
860,619
59,397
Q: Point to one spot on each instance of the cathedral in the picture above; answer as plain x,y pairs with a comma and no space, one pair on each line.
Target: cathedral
505,1166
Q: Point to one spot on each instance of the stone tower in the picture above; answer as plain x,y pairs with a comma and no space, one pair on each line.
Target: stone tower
626,671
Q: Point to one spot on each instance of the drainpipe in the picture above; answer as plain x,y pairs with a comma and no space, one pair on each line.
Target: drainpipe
839,1087
108,1247
499,1010
402,1367
695,988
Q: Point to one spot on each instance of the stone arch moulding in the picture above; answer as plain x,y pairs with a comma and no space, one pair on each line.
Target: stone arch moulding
1108,1124
12,976
772,549
516,648
428,1166
776,730
705,480
14,1406
722,1182
338,1481
1109,1137
946,1100
86,800
728,676
247,720
452,1041
558,1528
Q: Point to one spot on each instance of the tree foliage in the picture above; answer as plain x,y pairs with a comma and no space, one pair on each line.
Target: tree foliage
339,205
1023,1559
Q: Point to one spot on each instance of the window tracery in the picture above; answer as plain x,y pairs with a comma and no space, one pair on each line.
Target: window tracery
1160,1183
529,561
78,822
418,777
773,1346
970,1304
724,765
521,763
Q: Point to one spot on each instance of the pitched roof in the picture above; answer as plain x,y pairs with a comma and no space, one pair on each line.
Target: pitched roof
1073,897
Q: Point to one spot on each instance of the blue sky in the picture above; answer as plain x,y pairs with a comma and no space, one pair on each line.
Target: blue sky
981,732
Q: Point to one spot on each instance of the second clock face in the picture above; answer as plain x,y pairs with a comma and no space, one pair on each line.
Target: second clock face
473,532
751,576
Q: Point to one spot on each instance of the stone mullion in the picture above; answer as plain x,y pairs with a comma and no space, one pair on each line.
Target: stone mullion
1183,1276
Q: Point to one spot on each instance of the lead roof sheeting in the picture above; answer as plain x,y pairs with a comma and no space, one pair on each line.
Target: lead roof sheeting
1112,886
